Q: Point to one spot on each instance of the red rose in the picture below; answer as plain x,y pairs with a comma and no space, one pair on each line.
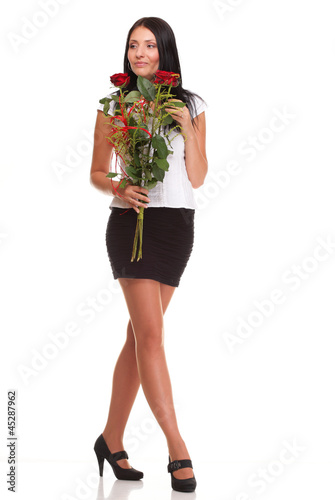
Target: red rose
167,78
120,79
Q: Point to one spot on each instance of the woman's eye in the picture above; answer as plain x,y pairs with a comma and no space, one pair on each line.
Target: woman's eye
150,45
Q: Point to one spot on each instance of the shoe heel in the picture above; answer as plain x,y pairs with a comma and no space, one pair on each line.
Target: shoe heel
102,452
101,464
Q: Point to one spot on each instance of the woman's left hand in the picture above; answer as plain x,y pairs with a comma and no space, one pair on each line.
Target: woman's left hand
181,115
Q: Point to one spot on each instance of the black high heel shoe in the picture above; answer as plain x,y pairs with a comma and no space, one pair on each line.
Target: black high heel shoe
102,452
184,485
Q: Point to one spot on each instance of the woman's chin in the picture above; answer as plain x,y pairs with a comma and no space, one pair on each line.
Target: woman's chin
142,72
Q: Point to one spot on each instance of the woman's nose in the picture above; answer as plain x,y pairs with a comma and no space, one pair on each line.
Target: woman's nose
139,52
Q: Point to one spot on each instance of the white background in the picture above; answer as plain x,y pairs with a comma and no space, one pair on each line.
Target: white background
237,406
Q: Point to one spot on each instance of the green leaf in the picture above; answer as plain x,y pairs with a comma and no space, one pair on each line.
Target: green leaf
104,99
133,96
134,173
167,120
163,164
142,135
159,144
123,183
146,88
106,107
151,184
158,172
175,104
144,201
137,159
106,102
148,174
143,125
111,174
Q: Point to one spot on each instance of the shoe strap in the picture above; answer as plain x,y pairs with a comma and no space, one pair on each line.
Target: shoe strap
179,464
119,455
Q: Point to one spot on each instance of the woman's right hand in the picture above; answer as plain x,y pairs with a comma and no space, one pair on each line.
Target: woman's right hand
134,196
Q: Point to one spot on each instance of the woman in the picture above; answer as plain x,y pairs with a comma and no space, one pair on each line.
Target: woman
148,284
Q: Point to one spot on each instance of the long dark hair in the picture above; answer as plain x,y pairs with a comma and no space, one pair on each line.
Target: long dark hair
168,57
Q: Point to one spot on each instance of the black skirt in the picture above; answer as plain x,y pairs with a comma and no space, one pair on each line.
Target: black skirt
168,235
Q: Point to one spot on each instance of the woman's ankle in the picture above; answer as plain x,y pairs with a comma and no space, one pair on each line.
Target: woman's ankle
114,443
178,450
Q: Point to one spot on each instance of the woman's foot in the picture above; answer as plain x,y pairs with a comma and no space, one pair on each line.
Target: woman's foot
115,446
103,454
179,452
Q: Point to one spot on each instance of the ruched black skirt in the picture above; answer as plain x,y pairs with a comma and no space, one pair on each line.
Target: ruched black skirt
168,235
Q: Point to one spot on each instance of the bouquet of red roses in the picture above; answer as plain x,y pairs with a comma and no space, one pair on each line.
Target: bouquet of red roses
139,134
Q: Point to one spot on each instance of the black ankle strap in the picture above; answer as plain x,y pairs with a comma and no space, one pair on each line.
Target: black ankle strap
179,464
119,455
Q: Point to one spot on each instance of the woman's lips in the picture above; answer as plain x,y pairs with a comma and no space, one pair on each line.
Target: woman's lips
140,65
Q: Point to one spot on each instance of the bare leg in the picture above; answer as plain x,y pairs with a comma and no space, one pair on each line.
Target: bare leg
126,383
125,386
143,297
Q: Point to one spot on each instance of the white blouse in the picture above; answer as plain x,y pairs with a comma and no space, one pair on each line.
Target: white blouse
176,189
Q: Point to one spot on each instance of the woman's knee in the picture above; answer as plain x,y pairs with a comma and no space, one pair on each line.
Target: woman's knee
150,337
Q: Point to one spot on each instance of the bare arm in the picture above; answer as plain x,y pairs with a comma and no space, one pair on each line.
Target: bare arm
102,152
195,152
195,144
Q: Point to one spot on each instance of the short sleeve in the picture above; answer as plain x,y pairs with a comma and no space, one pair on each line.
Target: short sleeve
111,105
200,106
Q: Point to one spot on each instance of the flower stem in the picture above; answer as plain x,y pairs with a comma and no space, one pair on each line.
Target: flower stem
138,236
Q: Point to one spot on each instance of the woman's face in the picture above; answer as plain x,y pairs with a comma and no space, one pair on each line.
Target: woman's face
143,53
